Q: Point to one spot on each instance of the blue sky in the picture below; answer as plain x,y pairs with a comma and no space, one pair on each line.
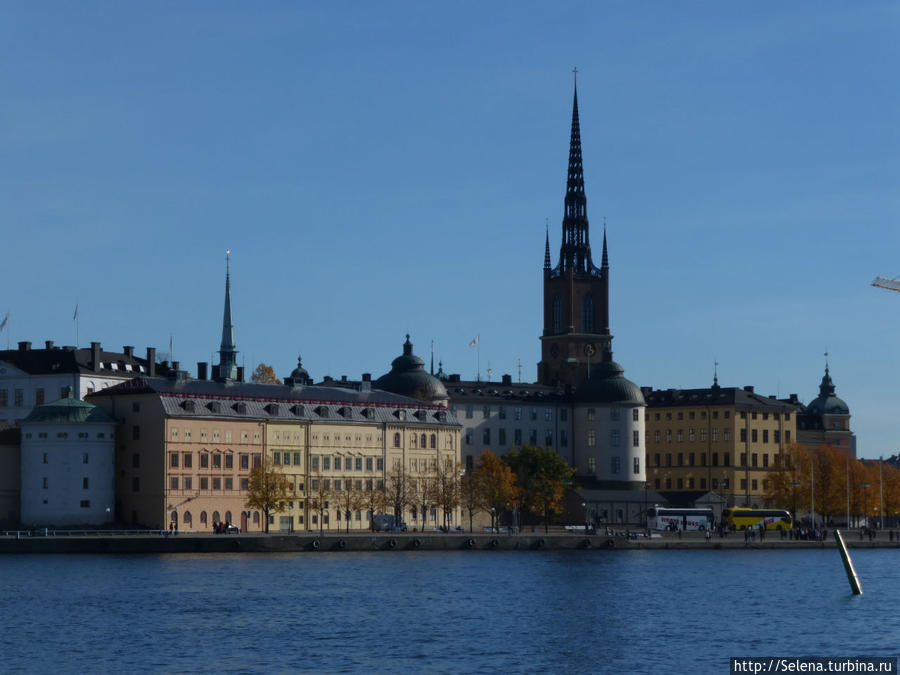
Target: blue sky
378,169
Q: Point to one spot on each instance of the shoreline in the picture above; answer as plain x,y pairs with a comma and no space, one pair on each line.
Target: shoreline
141,544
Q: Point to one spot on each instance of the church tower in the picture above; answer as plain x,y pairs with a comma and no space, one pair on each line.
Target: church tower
576,292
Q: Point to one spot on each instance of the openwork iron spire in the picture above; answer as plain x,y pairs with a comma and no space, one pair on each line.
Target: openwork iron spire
575,252
227,351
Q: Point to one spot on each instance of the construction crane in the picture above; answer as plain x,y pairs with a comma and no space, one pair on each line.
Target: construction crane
889,284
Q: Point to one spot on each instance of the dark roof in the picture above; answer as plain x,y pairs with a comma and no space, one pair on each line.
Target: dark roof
68,411
712,396
478,392
53,360
608,384
247,400
827,403
408,378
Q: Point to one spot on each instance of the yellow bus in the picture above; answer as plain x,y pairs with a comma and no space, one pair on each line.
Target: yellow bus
771,519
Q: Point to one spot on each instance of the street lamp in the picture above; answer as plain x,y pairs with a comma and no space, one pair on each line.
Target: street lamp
493,519
865,504
584,506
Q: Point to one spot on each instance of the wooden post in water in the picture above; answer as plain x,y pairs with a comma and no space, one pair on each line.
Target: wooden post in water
848,564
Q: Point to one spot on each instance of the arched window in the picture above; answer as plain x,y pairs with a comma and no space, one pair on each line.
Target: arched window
188,519
174,518
557,315
412,440
424,441
256,517
587,314
203,517
397,440
433,441
228,516
215,516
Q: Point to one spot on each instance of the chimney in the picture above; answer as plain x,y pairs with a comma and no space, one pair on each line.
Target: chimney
95,357
151,361
454,377
367,377
328,378
795,398
201,370
129,352
343,378
240,377
24,346
176,365
748,389
48,345
506,379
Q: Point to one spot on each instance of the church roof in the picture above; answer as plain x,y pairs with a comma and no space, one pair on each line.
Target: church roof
827,403
409,378
608,384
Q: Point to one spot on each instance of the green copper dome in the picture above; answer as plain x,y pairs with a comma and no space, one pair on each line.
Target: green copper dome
408,378
68,411
826,403
607,384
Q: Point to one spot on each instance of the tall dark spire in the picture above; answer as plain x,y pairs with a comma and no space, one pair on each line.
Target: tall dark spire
575,252
227,351
604,262
547,248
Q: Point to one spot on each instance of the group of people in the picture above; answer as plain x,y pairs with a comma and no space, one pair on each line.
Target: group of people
220,527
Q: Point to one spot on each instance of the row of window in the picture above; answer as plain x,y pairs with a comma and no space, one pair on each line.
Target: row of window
587,314
614,438
81,435
207,459
45,483
337,485
614,414
19,396
487,411
725,414
187,483
186,435
699,459
338,463
187,517
517,437
45,458
726,435
615,465
691,484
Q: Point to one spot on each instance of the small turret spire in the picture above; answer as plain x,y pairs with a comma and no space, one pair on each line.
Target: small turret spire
715,374
604,261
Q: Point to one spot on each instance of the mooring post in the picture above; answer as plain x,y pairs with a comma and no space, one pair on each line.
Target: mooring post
848,564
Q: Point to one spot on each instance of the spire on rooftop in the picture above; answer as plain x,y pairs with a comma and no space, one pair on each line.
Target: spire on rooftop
227,351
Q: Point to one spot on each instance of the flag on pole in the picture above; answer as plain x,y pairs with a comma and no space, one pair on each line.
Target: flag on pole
75,315
5,321
475,341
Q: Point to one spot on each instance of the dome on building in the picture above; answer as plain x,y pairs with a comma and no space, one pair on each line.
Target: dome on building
408,378
607,384
826,403
298,375
68,411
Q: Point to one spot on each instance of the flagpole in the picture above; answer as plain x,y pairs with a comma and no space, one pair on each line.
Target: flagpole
75,318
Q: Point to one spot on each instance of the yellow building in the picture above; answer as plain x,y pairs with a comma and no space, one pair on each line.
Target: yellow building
721,439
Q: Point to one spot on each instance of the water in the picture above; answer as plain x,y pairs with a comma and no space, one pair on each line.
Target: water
465,612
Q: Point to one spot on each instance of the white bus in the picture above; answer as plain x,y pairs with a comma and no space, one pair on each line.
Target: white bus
662,518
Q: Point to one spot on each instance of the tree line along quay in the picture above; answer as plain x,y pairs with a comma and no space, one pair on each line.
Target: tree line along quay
97,438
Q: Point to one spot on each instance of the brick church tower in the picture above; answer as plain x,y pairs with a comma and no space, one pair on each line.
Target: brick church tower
576,292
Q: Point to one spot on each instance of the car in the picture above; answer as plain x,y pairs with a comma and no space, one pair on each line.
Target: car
232,529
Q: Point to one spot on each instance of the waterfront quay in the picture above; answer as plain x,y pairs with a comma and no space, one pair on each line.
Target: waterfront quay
162,542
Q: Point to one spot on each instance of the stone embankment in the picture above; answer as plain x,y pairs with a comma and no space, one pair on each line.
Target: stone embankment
311,543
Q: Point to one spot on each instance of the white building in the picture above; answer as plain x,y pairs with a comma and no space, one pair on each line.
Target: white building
68,465
30,377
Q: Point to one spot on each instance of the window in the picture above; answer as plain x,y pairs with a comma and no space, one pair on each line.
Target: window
517,413
587,313
703,434
229,483
229,461
765,460
776,436
204,483
668,435
668,459
635,413
591,438
136,460
486,412
217,483
188,460
680,436
753,435
681,483
726,435
84,458
187,483
656,436
755,459
337,464
136,433
368,463
379,464
743,435
245,484
486,436
217,461
614,414
637,465
534,413
85,503
690,483
557,315
787,436
397,437
501,412
19,398
245,461
591,413
468,437
614,438
173,483
38,396
501,436
592,464
517,437
45,483
204,460
548,414
326,463
45,459
656,459
615,464
690,459
297,460
726,460
469,410
690,434
765,435
173,460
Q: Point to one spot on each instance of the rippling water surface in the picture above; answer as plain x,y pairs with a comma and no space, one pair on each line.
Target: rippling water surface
480,612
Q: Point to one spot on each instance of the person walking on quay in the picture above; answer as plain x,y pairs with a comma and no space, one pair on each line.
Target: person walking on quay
708,536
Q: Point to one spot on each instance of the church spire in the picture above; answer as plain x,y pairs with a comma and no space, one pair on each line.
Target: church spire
604,263
227,351
547,248
575,252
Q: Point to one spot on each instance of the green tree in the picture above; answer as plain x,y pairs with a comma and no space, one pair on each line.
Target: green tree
264,375
267,490
543,477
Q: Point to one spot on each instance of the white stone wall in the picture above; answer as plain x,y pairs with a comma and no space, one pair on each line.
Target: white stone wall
56,459
611,429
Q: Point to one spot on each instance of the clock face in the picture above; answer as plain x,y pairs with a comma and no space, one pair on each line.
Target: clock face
554,350
590,349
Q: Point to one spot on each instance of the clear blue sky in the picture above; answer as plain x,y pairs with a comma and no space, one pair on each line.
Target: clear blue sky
383,168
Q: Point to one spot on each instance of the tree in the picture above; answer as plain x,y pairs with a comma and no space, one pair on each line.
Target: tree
264,375
447,488
396,491
348,499
373,499
319,496
422,489
496,486
470,489
267,490
789,484
543,478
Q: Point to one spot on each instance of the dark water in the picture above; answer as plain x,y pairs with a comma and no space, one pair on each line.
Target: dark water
478,612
